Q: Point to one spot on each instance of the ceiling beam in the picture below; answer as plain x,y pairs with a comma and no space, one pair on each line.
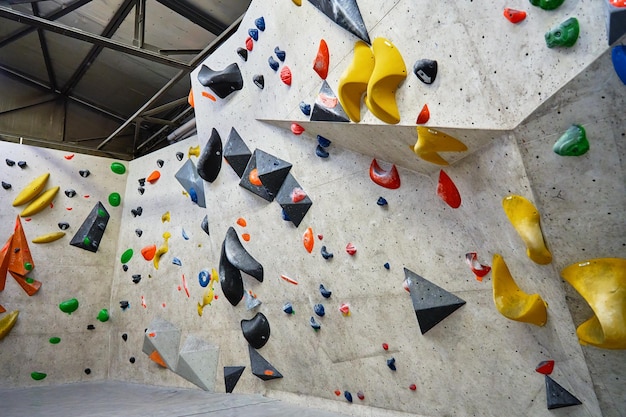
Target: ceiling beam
195,15
140,23
164,107
38,22
44,51
68,8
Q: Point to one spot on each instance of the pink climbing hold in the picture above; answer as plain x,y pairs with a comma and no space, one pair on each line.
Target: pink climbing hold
477,268
545,367
345,309
351,249
448,191
322,60
296,129
285,75
388,179
297,195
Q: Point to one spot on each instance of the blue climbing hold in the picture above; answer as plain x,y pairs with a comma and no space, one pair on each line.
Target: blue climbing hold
204,278
260,23
381,201
285,216
254,34
193,195
177,261
325,254
315,325
273,63
387,266
391,363
185,235
288,308
347,395
618,56
321,152
306,108
325,293
319,310
323,142
280,54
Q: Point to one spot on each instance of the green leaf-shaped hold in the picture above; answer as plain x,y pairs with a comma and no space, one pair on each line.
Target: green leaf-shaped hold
547,4
564,35
55,340
126,256
572,143
118,168
38,376
69,306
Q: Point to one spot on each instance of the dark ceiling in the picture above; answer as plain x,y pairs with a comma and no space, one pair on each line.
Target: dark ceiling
104,77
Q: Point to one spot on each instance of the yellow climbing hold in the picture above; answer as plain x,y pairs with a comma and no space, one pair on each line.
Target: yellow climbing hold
353,82
524,217
297,2
215,277
389,72
40,202
165,217
602,283
49,237
163,249
194,150
511,301
7,322
430,142
32,190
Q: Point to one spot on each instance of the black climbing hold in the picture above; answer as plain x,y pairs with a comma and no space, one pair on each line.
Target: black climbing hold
87,371
386,265
381,201
321,152
124,304
136,278
431,303
324,113
230,279
288,308
259,81
243,53
125,268
9,162
557,396
261,368
231,376
346,14
256,330
91,231
222,83
323,142
295,211
137,212
319,310
325,293
239,258
160,163
271,170
314,324
425,70
254,34
260,23
347,396
205,224
6,185
22,164
84,173
236,152
280,54
273,63
132,359
391,363
70,193
138,232
180,156
141,190
64,225
210,161
91,327
305,108
142,182
124,337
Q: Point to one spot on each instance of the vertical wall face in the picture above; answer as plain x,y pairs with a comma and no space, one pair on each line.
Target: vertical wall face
64,271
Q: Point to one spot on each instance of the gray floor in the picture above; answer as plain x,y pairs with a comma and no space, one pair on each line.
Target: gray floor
111,398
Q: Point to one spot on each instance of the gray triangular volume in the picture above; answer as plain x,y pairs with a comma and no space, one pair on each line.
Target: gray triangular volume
90,233
327,107
197,363
261,368
189,178
295,211
255,189
236,152
272,171
231,376
346,14
616,22
557,396
431,303
164,337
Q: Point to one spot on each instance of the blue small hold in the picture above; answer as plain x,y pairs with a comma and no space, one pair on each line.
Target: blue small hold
319,310
204,278
325,293
185,235
177,261
315,325
254,34
273,63
285,216
391,363
321,152
381,201
387,266
325,254
260,23
348,396
193,195
306,108
323,142
280,54
288,308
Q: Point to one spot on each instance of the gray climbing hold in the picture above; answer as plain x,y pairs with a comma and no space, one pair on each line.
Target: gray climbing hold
90,233
204,225
325,112
346,14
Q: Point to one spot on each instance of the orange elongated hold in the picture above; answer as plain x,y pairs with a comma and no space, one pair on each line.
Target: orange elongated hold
190,98
153,177
289,280
148,252
448,191
308,240
209,96
424,115
322,60
155,357
2,309
254,179
388,179
20,259
525,218
4,262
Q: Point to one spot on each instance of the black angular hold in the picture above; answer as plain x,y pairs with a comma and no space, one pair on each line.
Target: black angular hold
256,330
322,112
425,70
136,278
259,81
142,182
431,303
346,14
254,189
124,305
70,193
271,170
204,225
90,233
137,212
87,371
222,83
64,225
261,368
160,163
273,63
239,258
9,162
294,211
280,54
84,173
236,152
231,376
557,396
391,363
91,327
180,156
230,279
6,185
138,232
22,164
243,53
210,161
141,190
124,337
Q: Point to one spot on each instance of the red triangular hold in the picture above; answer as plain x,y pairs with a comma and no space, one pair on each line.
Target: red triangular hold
19,252
31,288
424,115
4,262
2,309
545,367
322,60
448,191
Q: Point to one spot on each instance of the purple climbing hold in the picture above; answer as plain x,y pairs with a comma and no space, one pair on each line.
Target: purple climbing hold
319,310
314,324
254,34
280,54
381,201
391,363
273,63
325,293
305,108
323,142
260,23
321,152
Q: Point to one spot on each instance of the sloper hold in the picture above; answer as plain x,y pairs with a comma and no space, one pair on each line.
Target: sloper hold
90,233
573,142
346,14
245,180
295,211
256,330
210,161
272,171
164,337
261,368
354,80
236,152
222,83
431,303
231,376
189,178
615,22
525,218
388,179
327,107
197,363
557,396
230,279
239,258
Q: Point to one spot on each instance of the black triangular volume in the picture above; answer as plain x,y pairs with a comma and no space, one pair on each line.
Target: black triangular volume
616,23
231,376
210,161
272,171
255,189
90,233
557,396
295,211
327,107
261,368
346,14
236,152
431,303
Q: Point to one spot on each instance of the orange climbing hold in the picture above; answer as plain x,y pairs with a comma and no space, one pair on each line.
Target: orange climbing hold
448,191
285,75
246,237
322,60
254,179
308,240
514,16
241,221
148,252
209,96
2,309
155,357
153,177
289,280
190,98
424,115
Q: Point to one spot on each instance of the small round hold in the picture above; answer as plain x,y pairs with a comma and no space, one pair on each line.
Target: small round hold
9,162
138,232
387,266
325,254
70,193
141,190
254,34
132,359
381,201
87,371
136,278
280,54
84,173
360,395
385,346
305,108
125,268
243,53
260,23
347,396
391,363
204,278
64,225
325,293
412,387
351,249
6,185
319,310
22,164
180,156
142,182
160,163
321,152
259,81
323,142
91,327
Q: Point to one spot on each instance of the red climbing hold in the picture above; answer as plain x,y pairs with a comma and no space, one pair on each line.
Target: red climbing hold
448,191
412,387
344,309
337,392
320,236
388,179
477,268
351,249
68,157
514,16
545,367
308,240
360,395
285,75
296,129
322,60
249,43
385,346
424,115
297,195
209,96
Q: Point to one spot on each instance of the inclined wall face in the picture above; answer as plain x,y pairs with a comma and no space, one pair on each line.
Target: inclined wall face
65,271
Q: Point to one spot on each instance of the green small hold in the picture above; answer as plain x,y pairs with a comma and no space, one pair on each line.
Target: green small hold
101,213
118,168
87,241
38,376
573,142
103,315
28,266
547,4
69,306
114,199
30,280
126,256
55,340
565,34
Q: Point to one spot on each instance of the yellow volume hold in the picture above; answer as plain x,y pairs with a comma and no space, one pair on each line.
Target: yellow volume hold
32,190
7,322
48,237
40,202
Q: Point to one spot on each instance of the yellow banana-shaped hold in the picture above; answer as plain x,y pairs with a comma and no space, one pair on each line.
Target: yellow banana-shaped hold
163,249
7,322
40,202
31,190
49,237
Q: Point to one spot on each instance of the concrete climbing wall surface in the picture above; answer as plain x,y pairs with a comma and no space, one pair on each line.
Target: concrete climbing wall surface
65,272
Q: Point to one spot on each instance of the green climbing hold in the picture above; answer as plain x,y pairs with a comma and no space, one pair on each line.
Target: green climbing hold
103,315
126,256
114,200
55,340
118,168
547,4
38,376
30,280
565,34
69,306
28,266
102,213
572,143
